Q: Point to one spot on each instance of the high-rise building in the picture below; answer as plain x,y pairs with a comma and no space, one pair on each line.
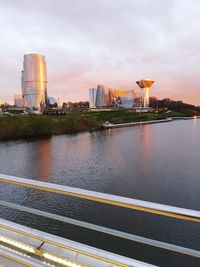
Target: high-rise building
34,82
18,102
92,97
101,96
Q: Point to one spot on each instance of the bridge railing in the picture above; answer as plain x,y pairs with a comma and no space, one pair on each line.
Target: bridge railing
139,205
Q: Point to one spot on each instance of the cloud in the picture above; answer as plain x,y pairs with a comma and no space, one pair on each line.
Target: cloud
114,42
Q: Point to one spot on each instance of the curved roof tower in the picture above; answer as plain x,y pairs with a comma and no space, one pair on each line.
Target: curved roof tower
34,82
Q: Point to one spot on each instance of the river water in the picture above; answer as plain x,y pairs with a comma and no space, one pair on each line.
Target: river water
159,163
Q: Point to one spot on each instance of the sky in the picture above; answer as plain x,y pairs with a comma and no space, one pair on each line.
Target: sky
110,42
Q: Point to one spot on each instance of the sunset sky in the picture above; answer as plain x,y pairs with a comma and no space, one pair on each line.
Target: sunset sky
111,42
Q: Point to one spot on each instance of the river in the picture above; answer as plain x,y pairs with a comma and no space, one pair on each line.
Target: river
158,162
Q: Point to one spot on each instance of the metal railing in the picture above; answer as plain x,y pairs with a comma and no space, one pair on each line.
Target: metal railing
61,249
139,205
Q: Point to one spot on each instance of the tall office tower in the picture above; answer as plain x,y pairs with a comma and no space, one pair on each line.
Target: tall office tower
101,96
18,102
145,86
34,82
108,97
92,97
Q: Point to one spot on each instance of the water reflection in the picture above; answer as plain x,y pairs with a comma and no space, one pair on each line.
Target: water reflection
146,141
44,160
158,163
38,158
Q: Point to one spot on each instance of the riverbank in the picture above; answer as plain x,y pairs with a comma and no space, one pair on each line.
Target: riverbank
21,127
18,127
108,125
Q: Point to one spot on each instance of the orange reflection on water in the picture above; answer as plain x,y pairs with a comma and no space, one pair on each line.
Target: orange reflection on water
145,141
44,160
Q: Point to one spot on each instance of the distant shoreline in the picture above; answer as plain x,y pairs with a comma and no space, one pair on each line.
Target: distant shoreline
122,125
26,127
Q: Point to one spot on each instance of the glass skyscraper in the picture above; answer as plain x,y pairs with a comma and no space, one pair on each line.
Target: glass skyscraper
92,97
100,97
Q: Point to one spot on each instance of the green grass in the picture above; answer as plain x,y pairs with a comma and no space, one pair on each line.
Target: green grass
15,127
187,113
35,126
120,116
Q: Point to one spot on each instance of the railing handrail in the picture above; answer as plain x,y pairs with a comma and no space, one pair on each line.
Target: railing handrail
135,204
105,230
79,250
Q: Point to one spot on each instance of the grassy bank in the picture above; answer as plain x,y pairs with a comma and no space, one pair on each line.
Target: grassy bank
15,127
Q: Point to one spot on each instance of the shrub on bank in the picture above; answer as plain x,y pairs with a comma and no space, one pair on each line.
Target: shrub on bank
14,127
19,127
33,126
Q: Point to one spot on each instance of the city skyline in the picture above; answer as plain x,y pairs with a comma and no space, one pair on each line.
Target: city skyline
100,42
